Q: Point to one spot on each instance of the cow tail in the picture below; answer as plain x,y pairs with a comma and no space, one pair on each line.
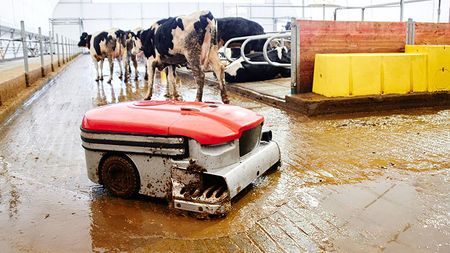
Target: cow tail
208,39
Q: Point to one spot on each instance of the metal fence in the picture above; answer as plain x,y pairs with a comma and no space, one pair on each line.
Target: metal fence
276,9
21,44
269,37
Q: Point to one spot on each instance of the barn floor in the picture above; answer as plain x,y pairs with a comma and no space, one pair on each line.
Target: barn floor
367,184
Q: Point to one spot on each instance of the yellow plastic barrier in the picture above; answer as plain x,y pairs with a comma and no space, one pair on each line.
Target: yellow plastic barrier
438,64
338,75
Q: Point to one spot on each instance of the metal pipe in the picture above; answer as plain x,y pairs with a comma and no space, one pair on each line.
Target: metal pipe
266,56
303,9
274,22
41,54
225,46
244,38
57,49
439,11
323,11
362,13
298,58
390,4
401,10
62,49
25,51
67,50
294,55
385,5
51,50
258,37
410,32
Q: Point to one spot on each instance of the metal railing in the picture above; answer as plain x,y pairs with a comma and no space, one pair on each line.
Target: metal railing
269,38
400,4
21,44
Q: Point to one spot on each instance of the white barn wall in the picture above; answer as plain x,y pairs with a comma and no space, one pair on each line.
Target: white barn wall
34,13
100,15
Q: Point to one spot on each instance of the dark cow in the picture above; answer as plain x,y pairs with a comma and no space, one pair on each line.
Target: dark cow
241,71
106,44
234,27
288,26
130,56
191,40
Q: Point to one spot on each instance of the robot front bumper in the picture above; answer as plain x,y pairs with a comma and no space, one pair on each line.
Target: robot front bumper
196,189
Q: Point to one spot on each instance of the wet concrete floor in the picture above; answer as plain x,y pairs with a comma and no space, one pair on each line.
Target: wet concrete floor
359,184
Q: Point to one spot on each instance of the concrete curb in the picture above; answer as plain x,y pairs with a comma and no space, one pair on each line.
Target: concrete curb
313,104
11,104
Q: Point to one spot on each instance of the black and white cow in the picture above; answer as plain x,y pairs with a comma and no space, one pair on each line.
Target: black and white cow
233,27
143,41
105,44
190,39
241,71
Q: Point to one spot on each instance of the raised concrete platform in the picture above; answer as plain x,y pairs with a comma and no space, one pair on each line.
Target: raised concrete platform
314,104
13,88
270,92
277,92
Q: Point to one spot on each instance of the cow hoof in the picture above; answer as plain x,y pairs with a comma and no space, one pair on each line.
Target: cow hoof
101,78
110,80
97,79
167,95
136,78
120,77
147,98
226,101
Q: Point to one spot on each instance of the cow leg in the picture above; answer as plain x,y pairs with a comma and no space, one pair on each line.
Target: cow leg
193,61
199,77
146,73
111,69
135,64
219,69
171,79
168,85
175,77
120,66
96,69
151,76
101,69
126,64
